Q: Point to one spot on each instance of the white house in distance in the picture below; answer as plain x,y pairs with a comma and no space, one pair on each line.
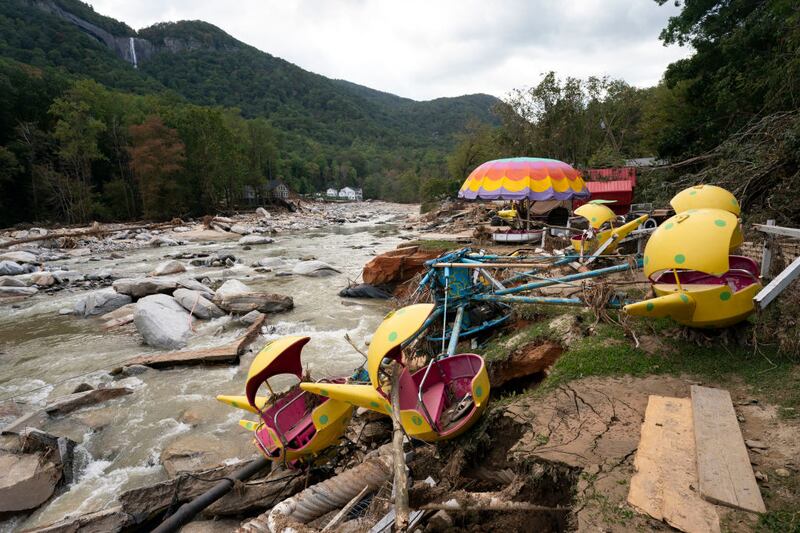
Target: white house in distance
332,193
348,193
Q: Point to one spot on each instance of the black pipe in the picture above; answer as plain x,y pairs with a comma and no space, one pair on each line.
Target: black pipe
189,510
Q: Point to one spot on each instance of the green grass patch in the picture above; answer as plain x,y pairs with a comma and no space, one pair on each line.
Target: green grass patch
436,246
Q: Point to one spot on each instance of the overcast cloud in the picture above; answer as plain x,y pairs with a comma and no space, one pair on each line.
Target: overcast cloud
425,49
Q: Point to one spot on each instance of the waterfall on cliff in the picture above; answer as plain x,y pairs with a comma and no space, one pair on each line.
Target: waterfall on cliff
133,53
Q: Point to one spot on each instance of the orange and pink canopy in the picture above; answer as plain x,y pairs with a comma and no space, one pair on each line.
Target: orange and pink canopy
521,178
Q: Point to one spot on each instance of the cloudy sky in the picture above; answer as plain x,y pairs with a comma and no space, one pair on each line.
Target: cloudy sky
429,48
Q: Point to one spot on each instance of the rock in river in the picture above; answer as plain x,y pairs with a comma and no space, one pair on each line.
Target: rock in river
230,288
101,302
27,481
168,267
316,269
197,304
18,291
10,268
255,239
19,257
162,321
194,285
139,287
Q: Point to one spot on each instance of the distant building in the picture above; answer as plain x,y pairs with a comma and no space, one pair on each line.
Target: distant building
348,193
333,193
276,189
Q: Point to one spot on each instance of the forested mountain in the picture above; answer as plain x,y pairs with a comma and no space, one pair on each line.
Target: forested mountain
100,121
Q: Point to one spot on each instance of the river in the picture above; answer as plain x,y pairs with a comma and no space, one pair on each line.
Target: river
39,350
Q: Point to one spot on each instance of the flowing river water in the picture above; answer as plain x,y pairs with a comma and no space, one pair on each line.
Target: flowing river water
40,349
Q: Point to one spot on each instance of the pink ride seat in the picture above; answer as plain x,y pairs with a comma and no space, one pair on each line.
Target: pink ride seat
434,400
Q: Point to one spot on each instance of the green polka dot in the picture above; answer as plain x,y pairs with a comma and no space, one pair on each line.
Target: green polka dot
417,420
392,336
323,419
594,219
400,311
235,404
650,306
668,225
734,202
693,193
478,391
684,298
375,405
721,223
646,260
323,392
680,259
725,296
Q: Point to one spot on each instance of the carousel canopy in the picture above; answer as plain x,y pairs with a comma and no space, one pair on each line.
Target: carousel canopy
522,178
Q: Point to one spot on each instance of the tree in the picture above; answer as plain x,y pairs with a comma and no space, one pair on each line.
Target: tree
157,155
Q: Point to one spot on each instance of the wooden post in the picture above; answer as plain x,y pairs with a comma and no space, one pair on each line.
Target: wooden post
400,474
766,254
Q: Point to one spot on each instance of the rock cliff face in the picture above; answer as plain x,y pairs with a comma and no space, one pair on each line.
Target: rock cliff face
134,50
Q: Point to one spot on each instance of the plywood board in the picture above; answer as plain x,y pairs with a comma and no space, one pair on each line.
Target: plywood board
723,466
665,469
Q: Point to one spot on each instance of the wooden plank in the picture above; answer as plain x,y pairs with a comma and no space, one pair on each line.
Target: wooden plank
665,469
723,466
226,354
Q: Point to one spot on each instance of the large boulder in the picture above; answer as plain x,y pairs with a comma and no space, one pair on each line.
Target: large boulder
197,304
101,302
250,240
263,302
168,267
27,481
241,229
314,269
11,268
162,321
14,281
396,266
19,257
263,213
140,287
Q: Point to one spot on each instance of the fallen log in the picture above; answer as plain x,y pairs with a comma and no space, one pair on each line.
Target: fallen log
226,354
67,404
400,472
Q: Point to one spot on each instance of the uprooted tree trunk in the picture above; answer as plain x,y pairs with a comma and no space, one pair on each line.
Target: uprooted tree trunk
400,473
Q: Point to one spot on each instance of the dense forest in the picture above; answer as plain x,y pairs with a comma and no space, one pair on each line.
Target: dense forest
84,135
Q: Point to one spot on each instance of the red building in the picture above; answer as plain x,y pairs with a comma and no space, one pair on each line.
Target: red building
610,184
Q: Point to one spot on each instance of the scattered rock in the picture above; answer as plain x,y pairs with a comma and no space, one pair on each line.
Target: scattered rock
263,213
194,285
70,403
67,276
163,241
782,472
133,370
97,419
271,262
364,290
761,476
12,281
251,240
83,387
140,287
162,322
232,287
43,279
101,302
59,449
17,291
240,229
193,416
27,481
755,444
10,268
19,257
251,318
197,304
168,267
314,269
